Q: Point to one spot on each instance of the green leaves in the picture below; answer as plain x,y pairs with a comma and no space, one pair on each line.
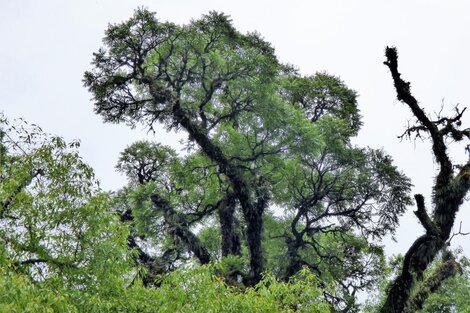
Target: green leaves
145,161
56,225
199,290
18,294
191,290
321,95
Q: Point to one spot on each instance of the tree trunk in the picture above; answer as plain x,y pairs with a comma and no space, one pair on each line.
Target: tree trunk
252,209
231,244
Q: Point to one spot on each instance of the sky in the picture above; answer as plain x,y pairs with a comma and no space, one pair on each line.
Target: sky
47,45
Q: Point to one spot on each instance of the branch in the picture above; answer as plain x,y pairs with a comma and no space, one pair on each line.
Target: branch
54,262
446,270
404,94
180,224
142,257
424,218
458,233
448,195
231,243
412,129
5,204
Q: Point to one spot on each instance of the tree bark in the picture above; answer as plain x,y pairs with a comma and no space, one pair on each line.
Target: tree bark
231,244
180,225
252,209
449,268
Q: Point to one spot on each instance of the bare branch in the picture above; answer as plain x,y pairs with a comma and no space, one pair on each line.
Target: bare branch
404,94
457,234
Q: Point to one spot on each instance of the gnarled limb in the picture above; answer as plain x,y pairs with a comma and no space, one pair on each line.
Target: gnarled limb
231,243
423,216
180,225
404,94
5,203
449,268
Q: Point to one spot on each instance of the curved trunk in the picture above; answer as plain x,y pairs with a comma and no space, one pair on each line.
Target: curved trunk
252,209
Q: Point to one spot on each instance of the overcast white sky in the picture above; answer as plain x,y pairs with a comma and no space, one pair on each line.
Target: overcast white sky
47,45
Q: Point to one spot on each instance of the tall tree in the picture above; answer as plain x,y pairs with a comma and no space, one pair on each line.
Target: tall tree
194,77
260,137
450,187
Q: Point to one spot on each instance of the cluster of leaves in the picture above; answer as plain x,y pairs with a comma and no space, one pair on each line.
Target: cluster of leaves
18,294
179,291
55,224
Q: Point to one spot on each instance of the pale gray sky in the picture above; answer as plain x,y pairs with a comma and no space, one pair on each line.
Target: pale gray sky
47,45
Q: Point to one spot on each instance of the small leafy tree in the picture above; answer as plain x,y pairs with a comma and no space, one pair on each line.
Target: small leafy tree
55,224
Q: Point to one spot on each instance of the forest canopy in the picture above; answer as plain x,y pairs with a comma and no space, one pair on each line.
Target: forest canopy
271,207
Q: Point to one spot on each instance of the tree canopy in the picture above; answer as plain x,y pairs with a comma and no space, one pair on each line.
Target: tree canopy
265,144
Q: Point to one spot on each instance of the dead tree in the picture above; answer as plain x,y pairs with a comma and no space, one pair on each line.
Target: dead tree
449,189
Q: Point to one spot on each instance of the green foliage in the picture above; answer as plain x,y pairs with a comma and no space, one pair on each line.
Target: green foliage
199,290
230,265
185,290
210,237
55,222
321,95
18,295
143,162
